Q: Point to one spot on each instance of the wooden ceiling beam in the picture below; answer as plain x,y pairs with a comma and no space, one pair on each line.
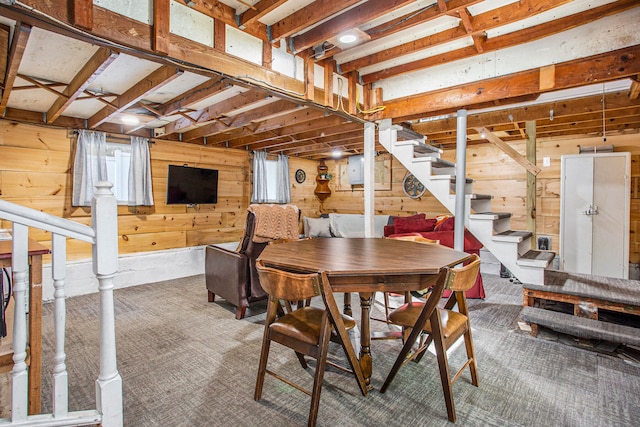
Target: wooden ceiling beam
240,120
217,110
352,18
197,94
567,108
489,45
99,62
598,68
320,122
18,44
481,23
327,132
256,130
260,9
153,81
308,15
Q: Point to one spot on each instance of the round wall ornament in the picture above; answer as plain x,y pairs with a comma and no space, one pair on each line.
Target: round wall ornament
300,176
412,187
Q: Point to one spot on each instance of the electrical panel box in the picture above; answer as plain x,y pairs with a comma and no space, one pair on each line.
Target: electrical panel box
356,170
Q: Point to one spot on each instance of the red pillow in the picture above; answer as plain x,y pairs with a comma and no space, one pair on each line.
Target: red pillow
447,225
412,225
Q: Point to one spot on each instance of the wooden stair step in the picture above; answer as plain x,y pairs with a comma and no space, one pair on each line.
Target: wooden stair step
467,180
426,149
475,196
436,162
490,215
409,134
534,258
581,326
512,236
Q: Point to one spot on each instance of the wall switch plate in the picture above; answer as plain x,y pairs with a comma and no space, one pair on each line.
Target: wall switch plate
546,161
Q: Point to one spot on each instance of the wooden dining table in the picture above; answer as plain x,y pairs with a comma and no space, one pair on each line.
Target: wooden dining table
365,266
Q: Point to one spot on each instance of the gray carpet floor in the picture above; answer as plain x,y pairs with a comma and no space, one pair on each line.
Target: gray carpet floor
187,362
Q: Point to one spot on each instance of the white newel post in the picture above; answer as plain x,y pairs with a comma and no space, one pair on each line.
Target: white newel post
104,217
19,376
60,376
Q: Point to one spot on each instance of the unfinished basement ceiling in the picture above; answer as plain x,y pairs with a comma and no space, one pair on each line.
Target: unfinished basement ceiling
234,74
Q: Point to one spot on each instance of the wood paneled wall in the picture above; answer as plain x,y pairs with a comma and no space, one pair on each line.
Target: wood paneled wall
35,171
35,166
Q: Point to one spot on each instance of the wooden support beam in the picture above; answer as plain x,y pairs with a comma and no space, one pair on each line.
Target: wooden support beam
99,62
352,80
161,22
309,80
219,35
153,81
634,90
259,10
531,206
18,44
329,69
547,77
508,150
82,14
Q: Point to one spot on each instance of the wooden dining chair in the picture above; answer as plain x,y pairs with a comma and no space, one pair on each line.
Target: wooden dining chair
306,330
443,327
385,295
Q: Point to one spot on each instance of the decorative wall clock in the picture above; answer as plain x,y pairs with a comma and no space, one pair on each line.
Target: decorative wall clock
412,187
300,176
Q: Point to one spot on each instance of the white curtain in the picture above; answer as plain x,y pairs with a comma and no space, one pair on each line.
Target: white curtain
259,193
89,167
283,191
140,189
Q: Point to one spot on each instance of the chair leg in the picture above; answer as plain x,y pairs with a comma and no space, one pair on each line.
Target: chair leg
319,376
302,360
471,355
262,368
211,296
445,375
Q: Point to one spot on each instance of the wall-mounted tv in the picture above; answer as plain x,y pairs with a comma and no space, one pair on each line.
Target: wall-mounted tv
191,186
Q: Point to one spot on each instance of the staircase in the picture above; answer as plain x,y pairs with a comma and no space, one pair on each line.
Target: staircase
512,248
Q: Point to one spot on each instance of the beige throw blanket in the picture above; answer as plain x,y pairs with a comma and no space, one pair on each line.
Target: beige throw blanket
275,222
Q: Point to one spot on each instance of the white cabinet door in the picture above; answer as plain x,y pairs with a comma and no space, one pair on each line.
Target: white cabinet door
594,217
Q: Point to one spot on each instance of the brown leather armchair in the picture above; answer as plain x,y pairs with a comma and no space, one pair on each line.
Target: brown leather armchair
232,275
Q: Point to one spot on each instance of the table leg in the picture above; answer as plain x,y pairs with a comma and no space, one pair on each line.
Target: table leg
365,337
35,334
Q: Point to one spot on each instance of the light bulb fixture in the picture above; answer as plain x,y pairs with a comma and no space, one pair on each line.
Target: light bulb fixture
347,38
336,154
130,120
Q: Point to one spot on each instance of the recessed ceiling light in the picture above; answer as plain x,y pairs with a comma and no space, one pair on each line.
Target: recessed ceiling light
130,120
347,38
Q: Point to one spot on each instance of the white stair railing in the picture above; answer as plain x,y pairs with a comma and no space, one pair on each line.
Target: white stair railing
103,236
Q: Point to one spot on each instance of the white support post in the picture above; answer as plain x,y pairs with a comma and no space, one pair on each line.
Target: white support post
104,215
369,185
19,376
461,178
60,376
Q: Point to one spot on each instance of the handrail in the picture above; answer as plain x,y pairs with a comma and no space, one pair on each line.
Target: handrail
44,221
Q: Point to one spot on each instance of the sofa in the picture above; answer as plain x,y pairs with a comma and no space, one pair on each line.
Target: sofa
440,229
342,225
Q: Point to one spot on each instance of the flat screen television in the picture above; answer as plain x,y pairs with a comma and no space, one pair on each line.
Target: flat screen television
191,186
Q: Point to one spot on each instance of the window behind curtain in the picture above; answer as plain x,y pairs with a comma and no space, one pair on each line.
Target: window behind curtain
118,164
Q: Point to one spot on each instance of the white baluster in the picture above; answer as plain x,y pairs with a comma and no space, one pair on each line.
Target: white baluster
104,217
60,376
20,267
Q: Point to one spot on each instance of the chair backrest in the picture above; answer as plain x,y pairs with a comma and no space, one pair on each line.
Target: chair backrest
463,278
418,239
288,286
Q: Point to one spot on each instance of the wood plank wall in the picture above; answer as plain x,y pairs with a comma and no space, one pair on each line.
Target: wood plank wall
35,165
35,171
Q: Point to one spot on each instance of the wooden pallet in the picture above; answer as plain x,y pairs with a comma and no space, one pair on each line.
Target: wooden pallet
588,294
